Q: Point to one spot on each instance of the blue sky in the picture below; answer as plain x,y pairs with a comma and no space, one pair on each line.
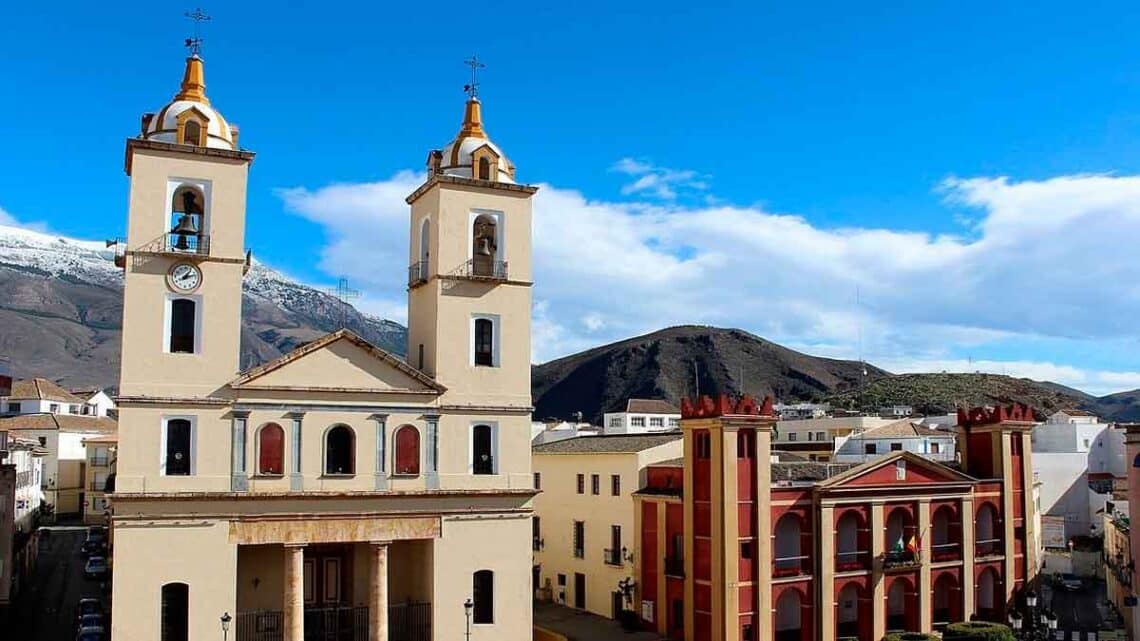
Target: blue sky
872,132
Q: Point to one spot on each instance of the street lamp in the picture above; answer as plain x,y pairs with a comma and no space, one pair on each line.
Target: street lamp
226,618
467,606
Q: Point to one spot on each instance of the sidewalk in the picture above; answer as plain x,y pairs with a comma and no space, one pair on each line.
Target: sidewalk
577,625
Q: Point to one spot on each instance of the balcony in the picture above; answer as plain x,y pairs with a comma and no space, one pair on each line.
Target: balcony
852,560
482,269
611,556
945,552
675,567
178,244
900,560
100,461
417,273
406,622
96,486
791,566
988,547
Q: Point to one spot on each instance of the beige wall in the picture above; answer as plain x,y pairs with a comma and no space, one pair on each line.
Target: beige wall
559,505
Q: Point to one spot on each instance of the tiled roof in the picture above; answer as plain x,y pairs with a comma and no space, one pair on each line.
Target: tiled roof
61,422
673,462
649,406
41,389
904,429
809,471
103,438
607,444
1076,412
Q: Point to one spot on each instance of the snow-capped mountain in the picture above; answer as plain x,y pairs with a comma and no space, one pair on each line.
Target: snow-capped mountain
61,310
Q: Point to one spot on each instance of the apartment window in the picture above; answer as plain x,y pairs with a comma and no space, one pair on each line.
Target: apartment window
935,448
538,480
340,451
175,612
407,451
72,409
482,449
183,325
485,338
656,421
101,458
13,407
535,531
746,549
746,632
595,484
811,437
674,422
581,483
579,539
637,421
896,447
745,444
870,448
821,436
483,597
99,482
178,437
615,421
615,484
791,436
54,408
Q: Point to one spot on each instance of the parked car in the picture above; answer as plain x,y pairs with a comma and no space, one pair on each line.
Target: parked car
96,541
1069,581
91,634
94,620
88,605
96,568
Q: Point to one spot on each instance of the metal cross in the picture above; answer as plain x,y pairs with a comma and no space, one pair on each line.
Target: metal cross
473,88
343,293
195,44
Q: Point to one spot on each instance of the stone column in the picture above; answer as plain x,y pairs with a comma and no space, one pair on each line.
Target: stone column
878,588
966,514
296,480
925,589
1009,577
239,481
378,595
381,450
294,606
826,564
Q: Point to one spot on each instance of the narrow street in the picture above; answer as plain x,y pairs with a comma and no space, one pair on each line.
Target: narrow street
45,611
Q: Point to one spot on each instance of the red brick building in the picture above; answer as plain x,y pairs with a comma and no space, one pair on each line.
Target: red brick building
741,545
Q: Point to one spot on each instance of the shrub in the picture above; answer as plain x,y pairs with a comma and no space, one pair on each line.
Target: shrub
977,631
910,636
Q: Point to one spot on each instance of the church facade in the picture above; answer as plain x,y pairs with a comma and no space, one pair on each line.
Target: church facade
338,491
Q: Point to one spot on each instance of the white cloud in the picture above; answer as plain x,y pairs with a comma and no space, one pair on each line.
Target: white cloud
9,220
659,182
1044,259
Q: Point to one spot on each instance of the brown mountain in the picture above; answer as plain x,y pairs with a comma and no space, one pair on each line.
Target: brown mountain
671,363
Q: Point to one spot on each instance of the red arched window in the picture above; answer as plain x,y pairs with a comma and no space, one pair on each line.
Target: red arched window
407,450
271,449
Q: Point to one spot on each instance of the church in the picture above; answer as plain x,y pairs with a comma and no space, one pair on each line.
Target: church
340,491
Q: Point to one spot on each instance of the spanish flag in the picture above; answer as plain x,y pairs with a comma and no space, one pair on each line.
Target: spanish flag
912,544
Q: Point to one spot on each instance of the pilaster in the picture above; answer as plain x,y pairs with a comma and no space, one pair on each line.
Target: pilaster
1010,575
925,589
687,511
878,588
431,453
764,533
239,479
826,569
296,479
1031,551
731,538
663,609
381,473
969,546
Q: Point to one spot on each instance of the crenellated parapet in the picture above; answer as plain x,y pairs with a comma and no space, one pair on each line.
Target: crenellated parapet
1002,414
725,405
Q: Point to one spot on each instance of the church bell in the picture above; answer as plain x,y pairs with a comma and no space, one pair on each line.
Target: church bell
185,227
485,246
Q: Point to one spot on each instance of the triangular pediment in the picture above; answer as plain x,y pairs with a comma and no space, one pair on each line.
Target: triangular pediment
915,470
338,362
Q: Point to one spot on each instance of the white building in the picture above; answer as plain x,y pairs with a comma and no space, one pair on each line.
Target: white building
896,436
641,416
897,411
1077,458
797,411
549,432
818,438
96,402
41,396
26,456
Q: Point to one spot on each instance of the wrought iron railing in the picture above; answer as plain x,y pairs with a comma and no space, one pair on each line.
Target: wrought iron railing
899,559
987,547
100,461
406,622
482,269
852,560
674,567
945,551
190,244
791,566
611,556
417,273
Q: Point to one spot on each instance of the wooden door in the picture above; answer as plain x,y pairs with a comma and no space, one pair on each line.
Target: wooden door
580,590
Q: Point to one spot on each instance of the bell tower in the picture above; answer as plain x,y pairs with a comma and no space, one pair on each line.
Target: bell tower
469,281
183,257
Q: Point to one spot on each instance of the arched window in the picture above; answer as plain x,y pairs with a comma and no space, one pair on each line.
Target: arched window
271,449
425,243
483,597
788,559
484,246
179,439
407,451
482,450
484,342
183,325
186,217
1136,461
192,133
789,614
175,612
340,450
484,168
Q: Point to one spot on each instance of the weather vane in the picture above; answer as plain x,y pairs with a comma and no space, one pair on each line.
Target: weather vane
473,88
195,44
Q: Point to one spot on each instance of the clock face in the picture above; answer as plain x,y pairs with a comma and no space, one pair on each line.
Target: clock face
185,277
